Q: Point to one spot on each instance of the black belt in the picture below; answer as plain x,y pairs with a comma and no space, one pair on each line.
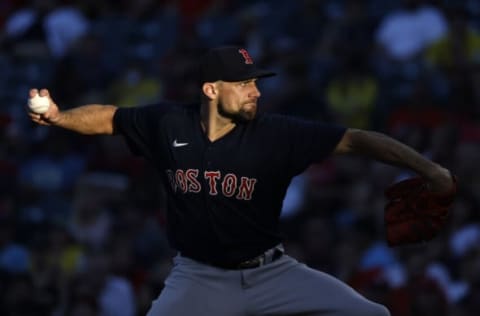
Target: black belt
267,257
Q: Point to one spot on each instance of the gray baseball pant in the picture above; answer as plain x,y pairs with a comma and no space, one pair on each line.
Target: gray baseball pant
283,287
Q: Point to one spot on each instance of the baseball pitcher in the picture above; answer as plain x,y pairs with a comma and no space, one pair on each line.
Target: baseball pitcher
227,169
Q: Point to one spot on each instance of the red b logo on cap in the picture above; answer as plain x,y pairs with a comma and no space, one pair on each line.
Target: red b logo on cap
246,56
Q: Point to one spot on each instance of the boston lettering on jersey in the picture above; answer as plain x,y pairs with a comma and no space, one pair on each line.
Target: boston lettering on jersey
230,185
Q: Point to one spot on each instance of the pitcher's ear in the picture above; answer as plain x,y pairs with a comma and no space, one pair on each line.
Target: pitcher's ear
210,90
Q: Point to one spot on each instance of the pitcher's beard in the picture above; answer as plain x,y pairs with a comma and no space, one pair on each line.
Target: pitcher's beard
241,116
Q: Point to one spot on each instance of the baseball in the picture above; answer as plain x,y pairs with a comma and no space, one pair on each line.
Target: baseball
39,104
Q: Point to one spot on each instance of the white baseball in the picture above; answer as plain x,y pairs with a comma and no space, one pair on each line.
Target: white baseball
39,104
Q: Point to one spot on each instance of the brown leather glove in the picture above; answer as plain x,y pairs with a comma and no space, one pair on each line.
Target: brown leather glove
413,213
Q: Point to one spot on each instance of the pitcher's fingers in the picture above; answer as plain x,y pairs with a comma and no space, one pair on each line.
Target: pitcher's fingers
44,93
34,116
33,93
46,115
39,120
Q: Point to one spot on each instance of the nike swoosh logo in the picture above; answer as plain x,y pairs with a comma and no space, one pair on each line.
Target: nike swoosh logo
177,144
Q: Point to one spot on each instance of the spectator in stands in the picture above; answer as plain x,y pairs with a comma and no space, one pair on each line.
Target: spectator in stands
351,95
45,24
404,33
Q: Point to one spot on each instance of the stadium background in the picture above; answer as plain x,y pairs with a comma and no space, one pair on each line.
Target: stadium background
81,220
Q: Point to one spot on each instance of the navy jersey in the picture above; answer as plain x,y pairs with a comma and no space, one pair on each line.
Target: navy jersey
225,197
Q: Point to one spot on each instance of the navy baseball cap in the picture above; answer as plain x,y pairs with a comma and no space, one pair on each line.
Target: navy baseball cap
230,63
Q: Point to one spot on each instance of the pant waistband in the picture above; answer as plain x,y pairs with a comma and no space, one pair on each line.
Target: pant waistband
267,257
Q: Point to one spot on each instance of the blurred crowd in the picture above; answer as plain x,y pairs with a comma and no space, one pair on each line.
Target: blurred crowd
82,220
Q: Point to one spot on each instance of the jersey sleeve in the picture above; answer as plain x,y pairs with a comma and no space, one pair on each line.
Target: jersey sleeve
140,127
310,142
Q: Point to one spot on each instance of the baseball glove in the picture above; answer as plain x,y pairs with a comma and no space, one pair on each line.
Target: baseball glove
413,213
